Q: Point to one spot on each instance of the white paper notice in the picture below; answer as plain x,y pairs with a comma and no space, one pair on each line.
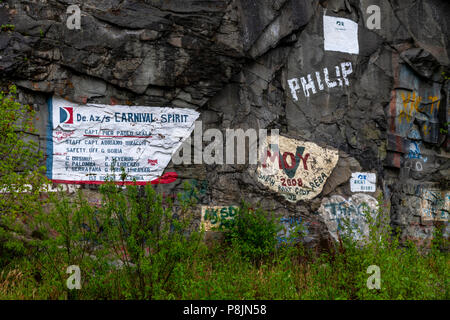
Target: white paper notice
85,141
363,182
340,35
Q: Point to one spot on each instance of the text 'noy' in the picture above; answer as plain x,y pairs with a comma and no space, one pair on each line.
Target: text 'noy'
308,83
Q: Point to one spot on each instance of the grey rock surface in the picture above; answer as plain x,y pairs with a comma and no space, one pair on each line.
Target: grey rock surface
231,60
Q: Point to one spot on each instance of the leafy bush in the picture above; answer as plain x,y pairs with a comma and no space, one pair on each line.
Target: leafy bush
21,176
406,272
109,244
253,232
129,247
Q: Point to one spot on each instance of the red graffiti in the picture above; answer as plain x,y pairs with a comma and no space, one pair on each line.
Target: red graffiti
282,159
168,177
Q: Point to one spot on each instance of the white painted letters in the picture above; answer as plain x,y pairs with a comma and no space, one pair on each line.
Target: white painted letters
309,86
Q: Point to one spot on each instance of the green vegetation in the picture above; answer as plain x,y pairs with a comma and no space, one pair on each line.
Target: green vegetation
21,177
444,130
137,245
444,75
7,27
253,233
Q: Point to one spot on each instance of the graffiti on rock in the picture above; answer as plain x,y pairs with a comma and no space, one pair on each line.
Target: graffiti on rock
292,228
308,84
218,217
295,169
435,205
413,116
414,151
197,190
412,102
414,164
414,107
337,212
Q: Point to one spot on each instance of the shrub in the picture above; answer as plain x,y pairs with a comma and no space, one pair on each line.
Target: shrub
129,247
406,272
21,176
253,232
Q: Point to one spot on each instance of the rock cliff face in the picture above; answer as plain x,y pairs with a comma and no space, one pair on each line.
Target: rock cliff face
376,102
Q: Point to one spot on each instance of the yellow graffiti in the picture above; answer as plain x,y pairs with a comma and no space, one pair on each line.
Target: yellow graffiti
433,100
426,130
412,102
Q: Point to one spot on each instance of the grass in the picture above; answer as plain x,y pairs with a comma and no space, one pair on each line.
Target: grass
166,257
222,272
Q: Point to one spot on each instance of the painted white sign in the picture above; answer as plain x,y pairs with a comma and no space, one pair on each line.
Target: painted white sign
363,182
84,142
340,35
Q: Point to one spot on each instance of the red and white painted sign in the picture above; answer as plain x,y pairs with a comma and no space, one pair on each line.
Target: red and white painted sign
93,142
